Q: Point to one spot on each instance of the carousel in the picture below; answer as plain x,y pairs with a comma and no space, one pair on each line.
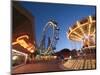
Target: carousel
84,31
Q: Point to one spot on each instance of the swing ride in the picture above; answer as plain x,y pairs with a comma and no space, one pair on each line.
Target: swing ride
83,31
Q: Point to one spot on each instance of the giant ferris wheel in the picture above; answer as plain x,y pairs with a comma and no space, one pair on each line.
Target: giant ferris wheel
83,31
52,39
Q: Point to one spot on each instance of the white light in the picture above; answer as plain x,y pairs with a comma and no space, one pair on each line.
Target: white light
32,51
16,51
15,57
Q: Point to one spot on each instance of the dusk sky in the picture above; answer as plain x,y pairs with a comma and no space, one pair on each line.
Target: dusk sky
64,14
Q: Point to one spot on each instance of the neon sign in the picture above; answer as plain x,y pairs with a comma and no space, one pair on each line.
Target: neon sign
27,45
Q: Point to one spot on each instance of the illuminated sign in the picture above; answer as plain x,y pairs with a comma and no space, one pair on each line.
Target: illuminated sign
27,45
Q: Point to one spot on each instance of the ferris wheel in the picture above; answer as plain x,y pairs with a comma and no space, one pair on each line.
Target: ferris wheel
50,46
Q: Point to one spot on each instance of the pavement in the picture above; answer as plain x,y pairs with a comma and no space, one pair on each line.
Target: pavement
56,65
80,64
38,67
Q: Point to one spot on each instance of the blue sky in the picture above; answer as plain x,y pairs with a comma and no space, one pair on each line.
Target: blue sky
65,14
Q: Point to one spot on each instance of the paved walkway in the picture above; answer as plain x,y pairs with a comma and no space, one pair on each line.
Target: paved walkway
38,67
80,64
47,66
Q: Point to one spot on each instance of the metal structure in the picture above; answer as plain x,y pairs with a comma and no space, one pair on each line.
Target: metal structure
51,40
83,31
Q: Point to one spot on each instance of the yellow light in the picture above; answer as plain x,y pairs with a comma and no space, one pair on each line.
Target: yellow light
23,43
78,34
23,36
20,40
80,27
90,22
90,19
